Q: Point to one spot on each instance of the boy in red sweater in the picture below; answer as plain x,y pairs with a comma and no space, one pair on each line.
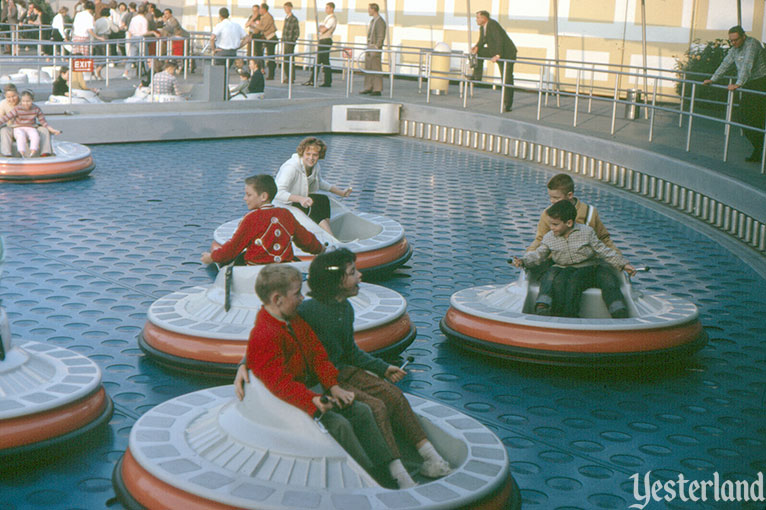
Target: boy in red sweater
265,234
285,354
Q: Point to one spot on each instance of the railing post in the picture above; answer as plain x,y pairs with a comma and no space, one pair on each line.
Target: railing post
592,79
391,69
420,71
429,62
349,73
464,81
540,93
71,71
727,128
185,53
691,118
502,88
151,77
106,66
654,104
614,104
577,97
683,98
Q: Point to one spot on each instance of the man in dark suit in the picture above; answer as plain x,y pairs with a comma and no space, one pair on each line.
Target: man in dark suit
494,44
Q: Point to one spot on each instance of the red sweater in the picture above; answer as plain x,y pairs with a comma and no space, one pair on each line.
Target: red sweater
267,233
285,364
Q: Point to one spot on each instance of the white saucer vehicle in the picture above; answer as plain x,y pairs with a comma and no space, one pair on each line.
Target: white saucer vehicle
496,319
71,161
377,241
207,450
48,397
193,329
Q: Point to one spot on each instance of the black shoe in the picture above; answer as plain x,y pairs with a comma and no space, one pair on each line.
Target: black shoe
308,83
376,93
326,85
621,313
755,157
366,92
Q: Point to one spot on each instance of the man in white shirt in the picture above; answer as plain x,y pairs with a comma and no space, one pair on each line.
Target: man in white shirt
227,38
83,30
326,29
137,30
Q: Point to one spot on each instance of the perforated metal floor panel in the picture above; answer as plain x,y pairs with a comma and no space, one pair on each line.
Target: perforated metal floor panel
85,260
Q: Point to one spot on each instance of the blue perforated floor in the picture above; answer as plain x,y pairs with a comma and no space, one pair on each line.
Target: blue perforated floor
85,260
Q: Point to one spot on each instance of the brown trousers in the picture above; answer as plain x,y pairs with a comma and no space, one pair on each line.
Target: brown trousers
388,404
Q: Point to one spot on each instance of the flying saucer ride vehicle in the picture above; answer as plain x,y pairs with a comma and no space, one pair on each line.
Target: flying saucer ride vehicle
205,329
207,450
497,319
70,161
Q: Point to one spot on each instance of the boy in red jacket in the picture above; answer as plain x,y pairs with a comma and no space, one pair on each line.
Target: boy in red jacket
265,234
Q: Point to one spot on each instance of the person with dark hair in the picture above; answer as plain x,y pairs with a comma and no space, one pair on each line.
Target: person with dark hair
291,30
326,30
227,38
267,44
576,252
257,84
494,44
265,234
749,57
83,30
561,187
165,81
25,119
333,278
373,57
285,354
299,178
8,104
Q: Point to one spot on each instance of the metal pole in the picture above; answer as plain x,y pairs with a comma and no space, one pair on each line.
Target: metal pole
429,57
691,26
577,97
622,51
691,118
739,12
315,79
390,51
727,128
556,46
654,103
71,70
186,55
681,106
643,53
540,93
502,88
349,74
614,105
210,14
106,66
592,79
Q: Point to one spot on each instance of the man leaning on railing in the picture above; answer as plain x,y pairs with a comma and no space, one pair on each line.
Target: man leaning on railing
749,57
494,44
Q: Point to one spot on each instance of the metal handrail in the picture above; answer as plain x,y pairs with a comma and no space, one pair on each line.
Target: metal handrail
543,85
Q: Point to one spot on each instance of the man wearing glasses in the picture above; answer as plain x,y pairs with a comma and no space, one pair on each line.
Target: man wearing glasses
749,57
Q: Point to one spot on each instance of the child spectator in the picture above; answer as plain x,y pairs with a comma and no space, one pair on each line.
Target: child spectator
241,88
24,119
257,81
575,250
267,232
